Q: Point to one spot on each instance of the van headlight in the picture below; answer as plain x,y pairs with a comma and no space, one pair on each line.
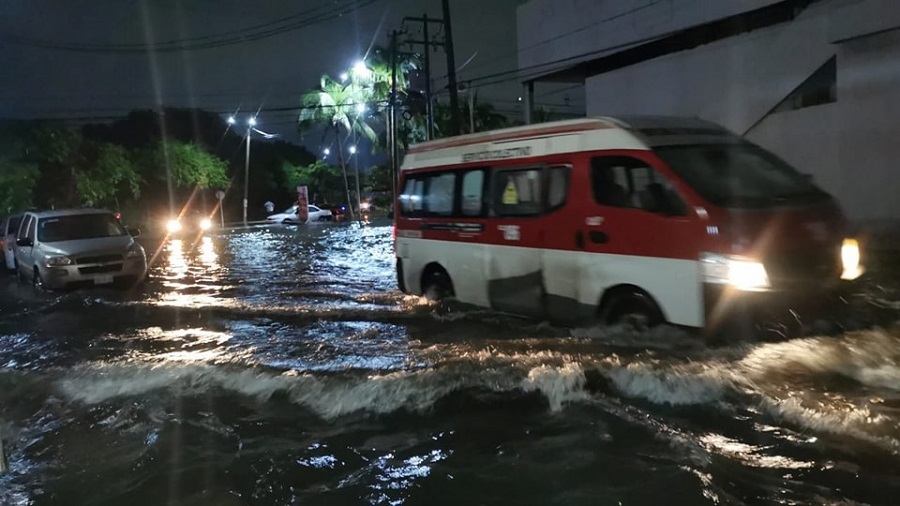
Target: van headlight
58,261
850,260
738,272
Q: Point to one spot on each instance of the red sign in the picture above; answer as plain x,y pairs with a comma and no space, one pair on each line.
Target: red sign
302,203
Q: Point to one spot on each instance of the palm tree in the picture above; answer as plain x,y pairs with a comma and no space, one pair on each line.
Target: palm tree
336,105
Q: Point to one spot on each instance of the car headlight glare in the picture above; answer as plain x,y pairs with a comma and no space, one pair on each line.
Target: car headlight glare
205,224
58,261
850,259
173,226
740,273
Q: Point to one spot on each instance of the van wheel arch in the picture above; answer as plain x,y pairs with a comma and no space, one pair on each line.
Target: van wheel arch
436,283
621,302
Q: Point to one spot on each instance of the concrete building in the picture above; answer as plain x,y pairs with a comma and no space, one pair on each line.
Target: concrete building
815,81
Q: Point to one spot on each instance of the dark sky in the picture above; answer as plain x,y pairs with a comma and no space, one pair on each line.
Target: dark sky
111,72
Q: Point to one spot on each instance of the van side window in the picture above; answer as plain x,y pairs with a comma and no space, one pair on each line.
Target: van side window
516,192
439,194
557,187
628,182
428,195
472,193
412,199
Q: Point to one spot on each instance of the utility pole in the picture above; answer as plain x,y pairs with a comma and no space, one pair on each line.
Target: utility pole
429,105
428,44
392,131
247,171
451,71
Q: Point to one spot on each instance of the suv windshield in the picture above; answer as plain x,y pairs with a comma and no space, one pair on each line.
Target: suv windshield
739,175
79,226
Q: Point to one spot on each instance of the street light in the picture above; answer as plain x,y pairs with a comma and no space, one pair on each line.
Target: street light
251,122
352,150
361,69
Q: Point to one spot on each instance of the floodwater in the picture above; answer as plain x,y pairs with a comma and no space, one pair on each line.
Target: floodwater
280,366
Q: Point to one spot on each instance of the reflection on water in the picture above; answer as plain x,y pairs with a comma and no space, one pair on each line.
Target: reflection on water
281,366
208,255
191,275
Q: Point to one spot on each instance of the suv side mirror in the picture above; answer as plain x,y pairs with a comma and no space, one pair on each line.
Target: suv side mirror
133,232
25,242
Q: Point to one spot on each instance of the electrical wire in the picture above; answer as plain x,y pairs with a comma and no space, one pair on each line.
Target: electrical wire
257,32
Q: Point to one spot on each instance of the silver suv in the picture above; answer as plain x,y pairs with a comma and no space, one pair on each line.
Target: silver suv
88,246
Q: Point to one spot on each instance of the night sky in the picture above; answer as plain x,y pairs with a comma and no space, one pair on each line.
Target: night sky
93,62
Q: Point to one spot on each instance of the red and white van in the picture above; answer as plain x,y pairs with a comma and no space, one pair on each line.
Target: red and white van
671,219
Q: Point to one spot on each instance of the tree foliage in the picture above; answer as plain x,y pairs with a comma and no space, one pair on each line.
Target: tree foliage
109,173
189,164
324,181
379,178
18,179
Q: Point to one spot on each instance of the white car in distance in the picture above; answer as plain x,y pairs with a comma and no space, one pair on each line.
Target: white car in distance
291,215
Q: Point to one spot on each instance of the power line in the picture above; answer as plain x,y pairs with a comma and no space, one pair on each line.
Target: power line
569,33
266,30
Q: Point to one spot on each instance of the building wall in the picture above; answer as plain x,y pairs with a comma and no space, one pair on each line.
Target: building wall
558,31
849,145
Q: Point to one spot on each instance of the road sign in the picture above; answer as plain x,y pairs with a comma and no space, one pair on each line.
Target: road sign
220,195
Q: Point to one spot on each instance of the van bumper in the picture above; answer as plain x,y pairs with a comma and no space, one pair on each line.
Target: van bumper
725,306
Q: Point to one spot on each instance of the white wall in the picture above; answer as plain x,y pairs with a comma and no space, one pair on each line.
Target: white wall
849,146
554,31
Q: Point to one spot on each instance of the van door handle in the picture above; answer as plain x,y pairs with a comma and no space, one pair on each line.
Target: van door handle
579,239
598,237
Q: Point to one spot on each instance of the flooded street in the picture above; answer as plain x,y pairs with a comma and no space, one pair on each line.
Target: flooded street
281,366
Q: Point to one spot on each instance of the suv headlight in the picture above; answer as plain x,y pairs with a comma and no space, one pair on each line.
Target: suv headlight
741,273
58,261
135,251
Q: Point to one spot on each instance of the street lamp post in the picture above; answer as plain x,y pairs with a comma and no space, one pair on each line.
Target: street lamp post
356,170
251,122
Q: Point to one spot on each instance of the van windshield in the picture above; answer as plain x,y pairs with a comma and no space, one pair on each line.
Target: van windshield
740,175
80,226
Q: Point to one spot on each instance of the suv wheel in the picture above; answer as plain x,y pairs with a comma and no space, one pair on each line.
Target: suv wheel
37,280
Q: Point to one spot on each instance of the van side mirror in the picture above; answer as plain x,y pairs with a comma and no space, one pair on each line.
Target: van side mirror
25,242
133,232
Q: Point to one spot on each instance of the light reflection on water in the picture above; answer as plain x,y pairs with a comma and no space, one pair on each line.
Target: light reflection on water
192,275
342,368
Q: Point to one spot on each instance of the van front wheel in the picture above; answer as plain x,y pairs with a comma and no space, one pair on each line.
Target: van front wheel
634,310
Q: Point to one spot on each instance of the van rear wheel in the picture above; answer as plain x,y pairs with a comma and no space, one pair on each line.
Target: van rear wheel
436,285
